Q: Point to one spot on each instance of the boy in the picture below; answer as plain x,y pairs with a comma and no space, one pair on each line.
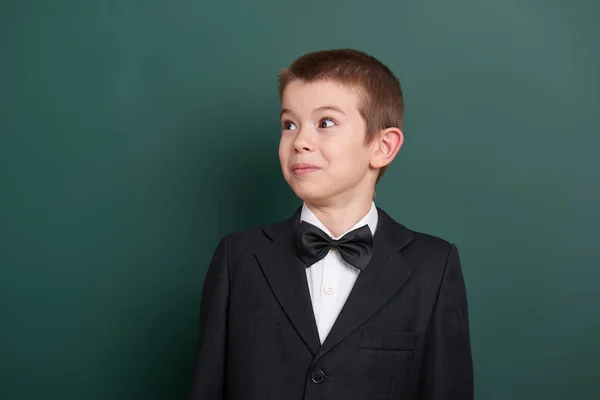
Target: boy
339,301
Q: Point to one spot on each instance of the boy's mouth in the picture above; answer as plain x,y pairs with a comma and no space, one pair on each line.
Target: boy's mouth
303,169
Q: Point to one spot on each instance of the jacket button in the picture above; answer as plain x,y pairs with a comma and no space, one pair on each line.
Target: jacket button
317,377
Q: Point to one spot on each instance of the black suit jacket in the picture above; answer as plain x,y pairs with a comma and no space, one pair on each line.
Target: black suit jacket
402,334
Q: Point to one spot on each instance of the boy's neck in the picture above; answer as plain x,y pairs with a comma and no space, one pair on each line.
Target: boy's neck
339,218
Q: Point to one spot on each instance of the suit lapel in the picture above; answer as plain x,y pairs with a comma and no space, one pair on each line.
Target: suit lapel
382,278
286,275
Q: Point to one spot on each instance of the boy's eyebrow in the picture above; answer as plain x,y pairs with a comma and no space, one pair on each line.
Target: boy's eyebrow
330,108
324,108
283,111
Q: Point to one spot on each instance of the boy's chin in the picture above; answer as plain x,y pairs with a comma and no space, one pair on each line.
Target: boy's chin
314,195
323,195
311,195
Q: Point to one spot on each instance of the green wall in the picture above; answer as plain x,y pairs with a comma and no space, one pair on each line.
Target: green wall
134,134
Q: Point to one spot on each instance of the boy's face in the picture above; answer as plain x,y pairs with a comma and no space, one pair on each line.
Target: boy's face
322,149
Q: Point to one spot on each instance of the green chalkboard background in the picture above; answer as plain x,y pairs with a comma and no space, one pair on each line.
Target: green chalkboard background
134,134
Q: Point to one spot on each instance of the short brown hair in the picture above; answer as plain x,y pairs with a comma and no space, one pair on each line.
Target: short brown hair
381,101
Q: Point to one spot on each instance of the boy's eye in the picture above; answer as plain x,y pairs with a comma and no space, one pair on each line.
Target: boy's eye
288,125
326,123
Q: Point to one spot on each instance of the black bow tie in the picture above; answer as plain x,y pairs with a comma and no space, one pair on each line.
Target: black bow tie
355,247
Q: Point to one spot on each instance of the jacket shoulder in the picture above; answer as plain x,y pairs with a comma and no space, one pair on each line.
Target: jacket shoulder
423,247
252,238
417,241
431,242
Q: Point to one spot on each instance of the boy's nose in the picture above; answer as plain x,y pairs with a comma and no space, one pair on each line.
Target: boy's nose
303,141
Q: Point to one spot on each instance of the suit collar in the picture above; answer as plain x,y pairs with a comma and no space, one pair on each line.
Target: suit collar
391,231
384,276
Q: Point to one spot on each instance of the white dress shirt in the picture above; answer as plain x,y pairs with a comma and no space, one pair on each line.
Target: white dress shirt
331,279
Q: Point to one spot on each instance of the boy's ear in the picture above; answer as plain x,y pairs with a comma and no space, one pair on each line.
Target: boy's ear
387,144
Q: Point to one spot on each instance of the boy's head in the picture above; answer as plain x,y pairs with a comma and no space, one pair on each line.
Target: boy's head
342,115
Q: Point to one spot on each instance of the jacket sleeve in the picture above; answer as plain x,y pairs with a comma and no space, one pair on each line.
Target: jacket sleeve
448,366
209,371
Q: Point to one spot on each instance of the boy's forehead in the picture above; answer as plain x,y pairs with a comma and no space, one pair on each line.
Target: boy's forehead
312,95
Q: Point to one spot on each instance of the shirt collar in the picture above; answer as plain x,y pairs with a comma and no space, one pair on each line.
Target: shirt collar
370,219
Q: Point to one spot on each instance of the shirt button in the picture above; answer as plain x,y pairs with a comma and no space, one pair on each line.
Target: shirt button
329,289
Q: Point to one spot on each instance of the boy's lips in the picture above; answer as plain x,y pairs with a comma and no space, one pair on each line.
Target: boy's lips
302,168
